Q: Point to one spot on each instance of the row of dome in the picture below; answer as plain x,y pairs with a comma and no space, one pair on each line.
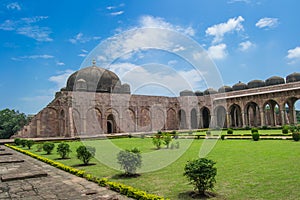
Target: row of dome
274,80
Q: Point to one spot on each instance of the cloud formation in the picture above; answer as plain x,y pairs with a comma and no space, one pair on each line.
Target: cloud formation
115,10
80,38
29,28
13,6
219,30
61,78
42,56
244,46
148,21
267,23
218,51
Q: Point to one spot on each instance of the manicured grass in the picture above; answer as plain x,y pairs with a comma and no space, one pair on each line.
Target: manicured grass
267,169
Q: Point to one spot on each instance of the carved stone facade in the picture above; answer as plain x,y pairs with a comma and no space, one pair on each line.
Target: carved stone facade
85,113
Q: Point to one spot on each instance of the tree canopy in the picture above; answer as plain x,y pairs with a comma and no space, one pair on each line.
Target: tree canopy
11,121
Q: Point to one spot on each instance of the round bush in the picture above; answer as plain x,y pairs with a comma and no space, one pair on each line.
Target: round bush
255,136
230,131
254,130
201,173
296,136
85,153
48,147
222,137
29,143
63,149
17,141
285,130
130,160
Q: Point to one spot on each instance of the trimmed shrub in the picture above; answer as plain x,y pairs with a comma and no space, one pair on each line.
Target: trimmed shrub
130,160
48,147
292,129
17,141
23,142
254,130
29,143
39,147
63,149
201,173
85,153
230,131
247,128
255,136
222,137
208,133
265,127
285,129
296,136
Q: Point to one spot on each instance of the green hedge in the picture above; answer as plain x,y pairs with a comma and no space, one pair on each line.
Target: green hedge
118,187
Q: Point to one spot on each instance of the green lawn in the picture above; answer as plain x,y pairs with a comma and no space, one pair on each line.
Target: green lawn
267,169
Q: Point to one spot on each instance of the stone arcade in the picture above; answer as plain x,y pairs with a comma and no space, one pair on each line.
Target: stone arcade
95,102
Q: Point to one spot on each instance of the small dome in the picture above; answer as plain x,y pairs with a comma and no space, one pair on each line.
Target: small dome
125,88
225,88
198,93
210,91
256,84
239,86
274,80
294,77
187,93
93,79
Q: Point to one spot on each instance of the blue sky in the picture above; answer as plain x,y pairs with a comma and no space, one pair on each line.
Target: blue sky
43,42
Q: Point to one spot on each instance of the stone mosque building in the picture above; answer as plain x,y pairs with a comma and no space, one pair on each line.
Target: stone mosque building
95,102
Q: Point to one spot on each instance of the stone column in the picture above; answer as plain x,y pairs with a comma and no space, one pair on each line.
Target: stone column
243,119
228,119
71,125
262,118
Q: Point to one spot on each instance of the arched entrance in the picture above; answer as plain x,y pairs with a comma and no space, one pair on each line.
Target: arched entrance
292,113
221,116
272,113
252,115
205,117
111,124
235,116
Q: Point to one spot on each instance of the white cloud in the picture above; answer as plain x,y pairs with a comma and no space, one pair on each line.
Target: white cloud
28,27
80,38
244,46
42,56
217,51
117,13
13,6
82,55
219,30
157,22
61,78
267,23
60,63
293,55
160,79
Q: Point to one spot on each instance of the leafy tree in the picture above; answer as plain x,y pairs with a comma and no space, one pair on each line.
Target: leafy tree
85,153
29,143
23,142
48,147
201,173
17,141
11,121
157,141
63,149
167,139
130,160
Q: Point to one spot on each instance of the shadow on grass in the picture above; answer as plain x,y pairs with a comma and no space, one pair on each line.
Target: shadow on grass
196,195
61,158
83,165
125,176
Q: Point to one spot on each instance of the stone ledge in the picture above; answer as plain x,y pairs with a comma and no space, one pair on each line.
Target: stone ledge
12,160
6,154
21,176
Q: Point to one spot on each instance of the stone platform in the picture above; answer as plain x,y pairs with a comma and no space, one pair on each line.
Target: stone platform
23,177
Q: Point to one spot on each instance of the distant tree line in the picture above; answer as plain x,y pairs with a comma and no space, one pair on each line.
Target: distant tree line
11,122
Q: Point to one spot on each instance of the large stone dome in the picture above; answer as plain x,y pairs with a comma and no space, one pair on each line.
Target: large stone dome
95,79
239,86
274,80
256,84
225,88
293,77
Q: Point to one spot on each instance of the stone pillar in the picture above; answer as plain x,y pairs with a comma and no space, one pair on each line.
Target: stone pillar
71,125
228,119
38,128
243,119
200,121
282,117
262,118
